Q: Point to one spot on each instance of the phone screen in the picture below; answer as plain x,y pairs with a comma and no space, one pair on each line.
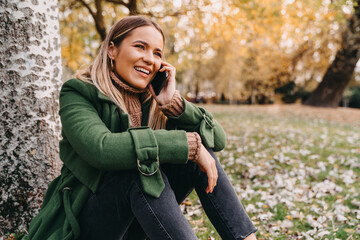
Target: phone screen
159,81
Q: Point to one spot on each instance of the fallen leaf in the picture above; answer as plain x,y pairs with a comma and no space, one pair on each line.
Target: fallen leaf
187,203
349,230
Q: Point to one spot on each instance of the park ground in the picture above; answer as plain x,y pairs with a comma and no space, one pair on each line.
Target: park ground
295,168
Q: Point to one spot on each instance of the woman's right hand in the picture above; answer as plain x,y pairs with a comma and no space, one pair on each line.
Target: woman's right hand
207,164
168,90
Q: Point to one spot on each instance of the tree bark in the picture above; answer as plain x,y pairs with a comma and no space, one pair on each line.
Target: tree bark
99,20
97,16
329,92
30,78
132,6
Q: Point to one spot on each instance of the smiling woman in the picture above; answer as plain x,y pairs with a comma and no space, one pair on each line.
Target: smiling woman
117,133
138,57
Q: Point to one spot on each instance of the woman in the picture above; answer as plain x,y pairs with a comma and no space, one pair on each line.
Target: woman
131,156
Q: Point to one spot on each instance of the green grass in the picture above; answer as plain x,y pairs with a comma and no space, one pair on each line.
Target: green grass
280,211
306,169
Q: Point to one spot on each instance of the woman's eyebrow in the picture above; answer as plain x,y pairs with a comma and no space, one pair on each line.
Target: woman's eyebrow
146,44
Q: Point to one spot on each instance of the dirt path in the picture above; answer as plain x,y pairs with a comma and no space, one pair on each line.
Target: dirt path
340,115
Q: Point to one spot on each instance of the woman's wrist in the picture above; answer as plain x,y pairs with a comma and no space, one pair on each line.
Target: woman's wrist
194,142
175,107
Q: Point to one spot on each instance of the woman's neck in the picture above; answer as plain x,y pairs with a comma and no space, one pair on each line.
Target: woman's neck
122,85
132,98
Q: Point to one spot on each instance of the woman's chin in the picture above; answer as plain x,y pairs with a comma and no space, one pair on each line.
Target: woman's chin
140,86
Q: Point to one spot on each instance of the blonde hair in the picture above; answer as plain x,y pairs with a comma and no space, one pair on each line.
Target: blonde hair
98,73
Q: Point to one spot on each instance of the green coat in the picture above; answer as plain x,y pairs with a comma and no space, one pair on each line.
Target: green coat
96,140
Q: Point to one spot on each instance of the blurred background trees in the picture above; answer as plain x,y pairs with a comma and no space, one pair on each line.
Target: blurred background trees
330,90
237,51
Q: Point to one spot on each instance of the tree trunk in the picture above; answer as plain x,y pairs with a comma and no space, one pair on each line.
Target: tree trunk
30,78
99,20
330,90
133,8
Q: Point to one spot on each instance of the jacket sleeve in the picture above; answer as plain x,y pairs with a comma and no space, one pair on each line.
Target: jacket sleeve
197,119
97,145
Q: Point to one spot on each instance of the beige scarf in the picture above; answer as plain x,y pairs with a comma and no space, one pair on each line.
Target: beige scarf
132,98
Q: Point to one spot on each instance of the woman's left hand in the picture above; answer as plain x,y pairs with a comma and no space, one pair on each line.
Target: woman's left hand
207,164
168,90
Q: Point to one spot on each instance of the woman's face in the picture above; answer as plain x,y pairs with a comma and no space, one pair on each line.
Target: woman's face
138,57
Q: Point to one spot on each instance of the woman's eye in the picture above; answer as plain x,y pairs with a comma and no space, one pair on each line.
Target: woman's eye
140,46
158,54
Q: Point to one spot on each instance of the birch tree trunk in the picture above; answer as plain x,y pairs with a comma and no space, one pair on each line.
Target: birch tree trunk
30,78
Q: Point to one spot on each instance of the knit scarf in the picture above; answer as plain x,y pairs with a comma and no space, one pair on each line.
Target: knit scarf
132,98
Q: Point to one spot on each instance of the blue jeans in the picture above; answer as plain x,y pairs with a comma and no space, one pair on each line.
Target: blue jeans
121,210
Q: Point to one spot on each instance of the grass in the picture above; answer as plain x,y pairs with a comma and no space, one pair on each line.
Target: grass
300,173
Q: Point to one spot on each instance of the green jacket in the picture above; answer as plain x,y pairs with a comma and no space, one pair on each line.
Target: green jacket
95,140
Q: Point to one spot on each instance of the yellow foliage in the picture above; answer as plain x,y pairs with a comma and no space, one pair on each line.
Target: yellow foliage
241,47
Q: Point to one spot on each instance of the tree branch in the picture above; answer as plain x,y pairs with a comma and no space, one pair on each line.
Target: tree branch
117,2
88,8
171,14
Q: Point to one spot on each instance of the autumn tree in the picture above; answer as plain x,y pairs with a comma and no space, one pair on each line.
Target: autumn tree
330,90
84,24
246,49
243,49
96,10
30,73
99,8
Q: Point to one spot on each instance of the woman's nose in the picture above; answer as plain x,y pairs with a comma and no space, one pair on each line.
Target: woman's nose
148,57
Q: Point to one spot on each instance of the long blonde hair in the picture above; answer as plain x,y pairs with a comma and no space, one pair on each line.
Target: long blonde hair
98,73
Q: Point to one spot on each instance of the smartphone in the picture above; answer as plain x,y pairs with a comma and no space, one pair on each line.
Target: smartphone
159,81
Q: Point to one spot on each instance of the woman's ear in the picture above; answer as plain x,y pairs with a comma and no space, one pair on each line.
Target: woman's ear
111,51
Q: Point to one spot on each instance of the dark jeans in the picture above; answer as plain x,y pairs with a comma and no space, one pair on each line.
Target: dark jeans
121,210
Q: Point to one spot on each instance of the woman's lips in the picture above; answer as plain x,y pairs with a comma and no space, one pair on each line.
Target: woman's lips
142,74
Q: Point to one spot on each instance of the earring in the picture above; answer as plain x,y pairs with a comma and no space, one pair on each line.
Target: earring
112,65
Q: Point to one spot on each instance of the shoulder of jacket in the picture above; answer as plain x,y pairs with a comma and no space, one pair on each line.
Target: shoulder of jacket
83,88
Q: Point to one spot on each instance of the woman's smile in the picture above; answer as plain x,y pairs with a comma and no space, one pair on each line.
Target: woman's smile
143,71
139,56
